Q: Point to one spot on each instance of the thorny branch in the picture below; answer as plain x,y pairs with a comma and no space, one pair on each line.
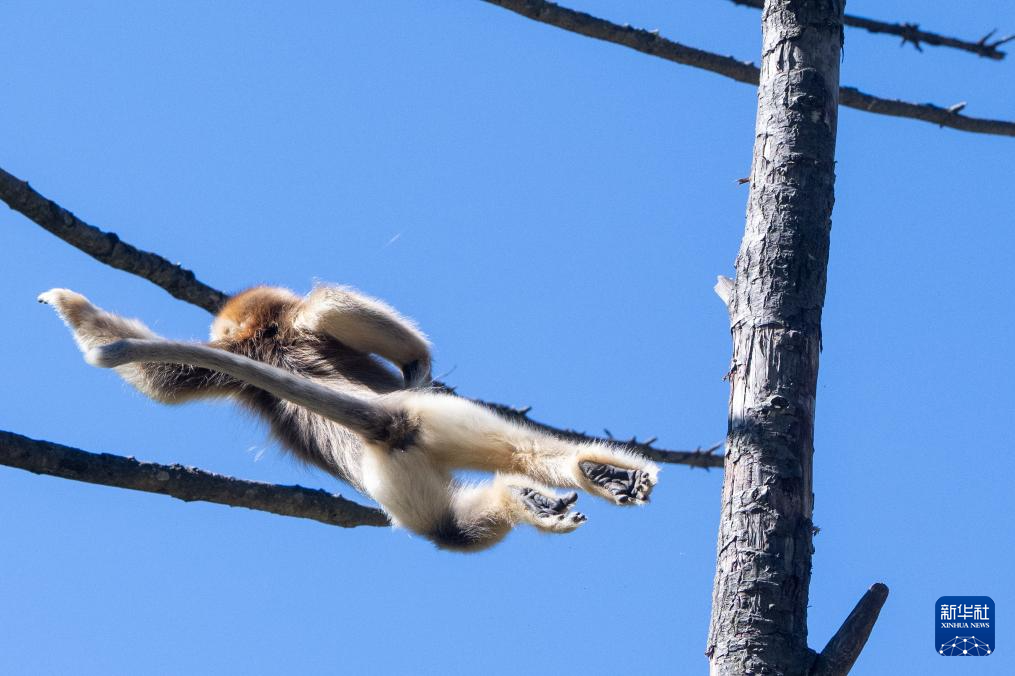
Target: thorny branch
650,42
911,33
700,457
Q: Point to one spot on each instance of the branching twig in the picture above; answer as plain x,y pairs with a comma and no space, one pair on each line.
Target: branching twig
910,32
650,42
842,650
185,286
185,483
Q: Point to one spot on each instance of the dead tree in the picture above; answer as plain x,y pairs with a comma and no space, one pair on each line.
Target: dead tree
763,570
759,610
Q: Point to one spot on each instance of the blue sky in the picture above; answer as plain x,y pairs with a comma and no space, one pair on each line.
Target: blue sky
553,211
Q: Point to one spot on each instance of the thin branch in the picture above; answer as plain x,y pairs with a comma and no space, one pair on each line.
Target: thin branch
928,112
184,483
842,650
184,285
106,247
910,32
705,458
650,42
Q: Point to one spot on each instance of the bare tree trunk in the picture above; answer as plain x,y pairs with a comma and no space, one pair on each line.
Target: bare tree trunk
759,601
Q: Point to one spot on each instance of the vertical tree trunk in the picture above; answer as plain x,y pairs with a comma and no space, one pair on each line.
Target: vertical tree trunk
759,601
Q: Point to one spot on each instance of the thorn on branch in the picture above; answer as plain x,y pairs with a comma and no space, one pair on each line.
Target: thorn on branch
523,410
911,33
699,453
609,434
957,108
745,179
711,449
983,41
992,46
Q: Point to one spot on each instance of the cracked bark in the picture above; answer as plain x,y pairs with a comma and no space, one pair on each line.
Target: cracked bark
763,568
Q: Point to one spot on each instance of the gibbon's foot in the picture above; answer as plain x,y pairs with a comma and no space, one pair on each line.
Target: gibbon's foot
551,513
625,486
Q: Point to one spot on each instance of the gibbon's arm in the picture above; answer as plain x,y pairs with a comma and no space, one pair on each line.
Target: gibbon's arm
167,383
368,325
365,417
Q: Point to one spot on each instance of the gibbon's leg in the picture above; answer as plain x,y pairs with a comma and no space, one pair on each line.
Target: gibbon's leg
462,434
367,325
398,470
423,497
450,431
168,383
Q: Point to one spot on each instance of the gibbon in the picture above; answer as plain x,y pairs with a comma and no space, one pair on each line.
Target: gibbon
309,367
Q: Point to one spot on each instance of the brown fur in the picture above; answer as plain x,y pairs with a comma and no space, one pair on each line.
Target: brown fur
407,463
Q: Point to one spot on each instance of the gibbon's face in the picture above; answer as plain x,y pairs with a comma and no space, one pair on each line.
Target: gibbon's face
249,311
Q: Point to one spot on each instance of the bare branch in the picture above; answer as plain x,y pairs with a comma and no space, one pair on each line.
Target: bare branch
842,650
650,42
928,112
638,39
106,247
705,458
184,285
184,483
910,32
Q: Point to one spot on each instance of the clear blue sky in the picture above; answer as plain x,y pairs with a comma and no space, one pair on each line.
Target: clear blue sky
553,211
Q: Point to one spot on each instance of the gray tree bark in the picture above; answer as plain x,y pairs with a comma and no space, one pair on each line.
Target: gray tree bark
759,601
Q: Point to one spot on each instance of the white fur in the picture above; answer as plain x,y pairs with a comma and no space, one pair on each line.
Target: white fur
411,441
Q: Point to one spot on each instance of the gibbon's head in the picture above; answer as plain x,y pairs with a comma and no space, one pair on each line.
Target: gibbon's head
250,311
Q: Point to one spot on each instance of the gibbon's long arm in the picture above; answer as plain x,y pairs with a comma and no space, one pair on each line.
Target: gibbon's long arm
360,415
368,325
